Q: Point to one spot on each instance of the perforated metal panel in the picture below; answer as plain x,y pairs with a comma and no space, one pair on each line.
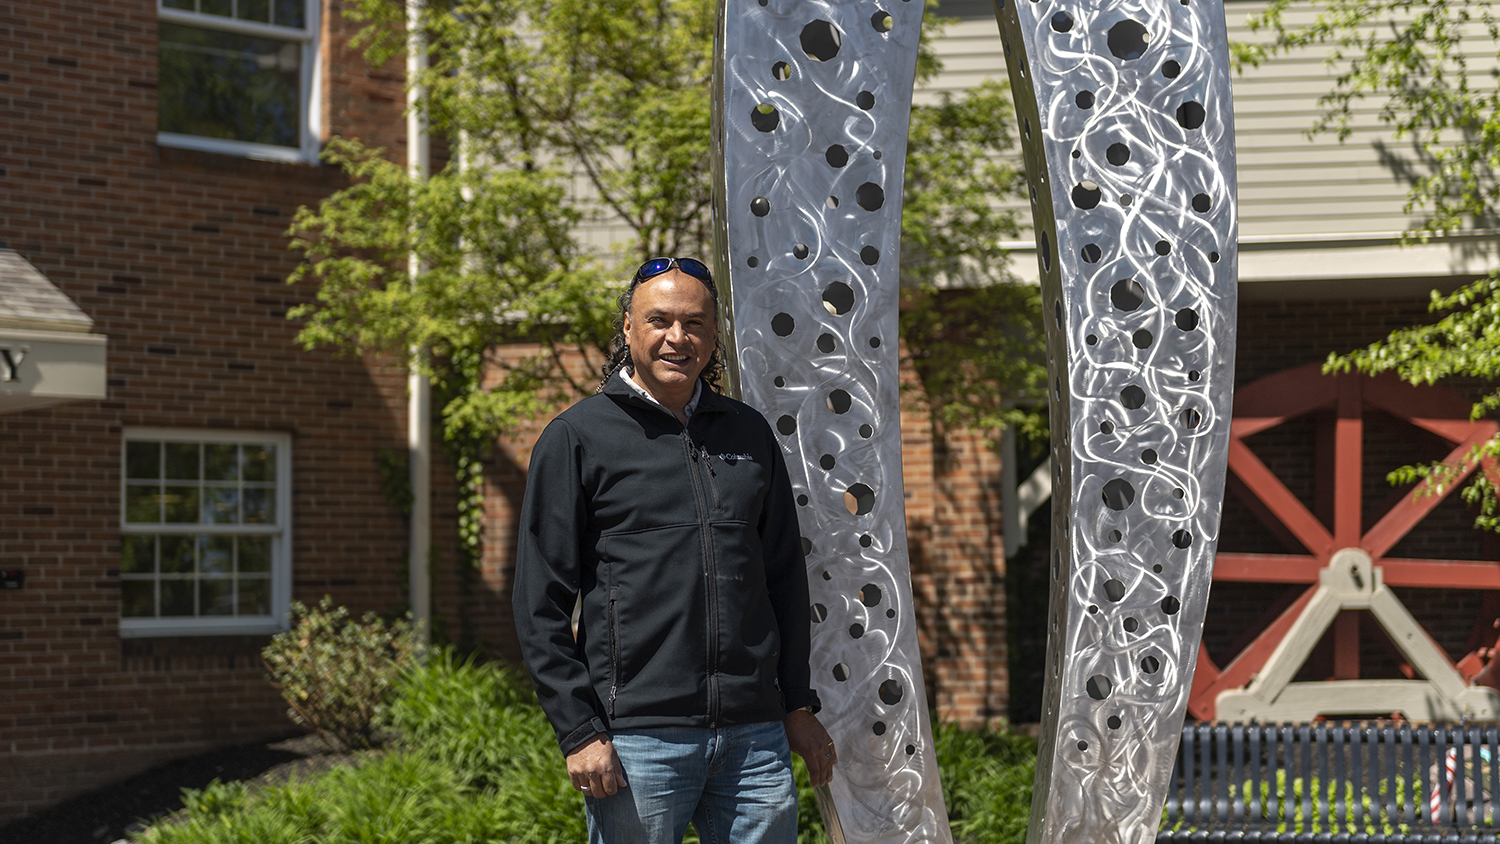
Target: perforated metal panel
812,101
1128,138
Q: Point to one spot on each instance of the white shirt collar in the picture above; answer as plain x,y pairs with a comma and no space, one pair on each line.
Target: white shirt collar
687,410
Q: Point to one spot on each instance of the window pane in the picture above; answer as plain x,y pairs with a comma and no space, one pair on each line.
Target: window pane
221,462
143,460
291,13
179,4
177,597
142,504
138,598
138,555
255,554
254,10
260,507
226,85
181,504
176,554
255,596
216,554
215,7
216,596
182,461
260,462
221,505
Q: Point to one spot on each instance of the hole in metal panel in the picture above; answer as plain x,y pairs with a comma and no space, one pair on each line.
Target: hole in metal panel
870,196
837,155
1133,397
1150,665
764,117
870,255
1190,115
1099,687
1187,320
1202,202
826,344
827,462
783,324
781,71
865,100
786,425
891,692
1117,154
838,298
1114,589
882,21
1127,294
839,401
859,500
1182,539
1062,22
819,613
1086,195
1128,40
1170,605
1118,494
841,672
821,40
1141,339
1083,99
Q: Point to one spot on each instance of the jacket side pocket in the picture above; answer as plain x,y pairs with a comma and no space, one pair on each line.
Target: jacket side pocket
614,647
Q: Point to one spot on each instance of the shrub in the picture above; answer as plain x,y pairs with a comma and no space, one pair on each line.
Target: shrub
336,673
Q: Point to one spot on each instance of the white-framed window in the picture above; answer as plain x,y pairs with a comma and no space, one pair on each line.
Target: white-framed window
239,77
205,523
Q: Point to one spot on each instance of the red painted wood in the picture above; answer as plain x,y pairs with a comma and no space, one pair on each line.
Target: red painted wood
1349,452
1202,699
1440,574
1267,568
1346,645
1277,398
1419,502
1287,509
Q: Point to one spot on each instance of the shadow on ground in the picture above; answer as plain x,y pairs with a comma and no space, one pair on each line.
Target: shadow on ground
115,811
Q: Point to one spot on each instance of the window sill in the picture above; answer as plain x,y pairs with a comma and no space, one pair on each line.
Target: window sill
238,149
185,627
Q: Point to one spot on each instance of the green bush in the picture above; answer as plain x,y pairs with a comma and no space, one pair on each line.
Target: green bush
476,761
336,673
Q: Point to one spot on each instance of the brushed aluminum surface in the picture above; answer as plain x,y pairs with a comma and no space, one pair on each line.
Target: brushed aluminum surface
1128,136
811,104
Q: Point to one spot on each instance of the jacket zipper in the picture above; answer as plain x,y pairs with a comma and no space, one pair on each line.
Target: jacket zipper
713,484
709,571
614,647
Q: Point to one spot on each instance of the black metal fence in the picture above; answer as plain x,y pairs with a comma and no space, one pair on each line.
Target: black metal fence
1374,782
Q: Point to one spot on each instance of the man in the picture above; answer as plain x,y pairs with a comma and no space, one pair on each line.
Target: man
668,509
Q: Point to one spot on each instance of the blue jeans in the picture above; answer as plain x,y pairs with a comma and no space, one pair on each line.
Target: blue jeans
734,783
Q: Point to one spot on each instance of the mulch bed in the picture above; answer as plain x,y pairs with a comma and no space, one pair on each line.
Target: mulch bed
115,812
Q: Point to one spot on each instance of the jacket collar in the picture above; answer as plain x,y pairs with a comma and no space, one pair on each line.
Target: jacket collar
709,400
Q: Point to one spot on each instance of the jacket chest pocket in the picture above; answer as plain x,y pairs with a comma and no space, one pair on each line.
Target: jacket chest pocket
737,485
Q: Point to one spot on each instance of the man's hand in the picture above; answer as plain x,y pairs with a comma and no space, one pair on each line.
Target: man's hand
809,740
595,769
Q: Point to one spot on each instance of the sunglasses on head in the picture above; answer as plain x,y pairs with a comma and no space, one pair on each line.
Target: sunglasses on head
656,266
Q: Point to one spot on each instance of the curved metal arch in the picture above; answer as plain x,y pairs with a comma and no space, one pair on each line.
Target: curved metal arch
1137,250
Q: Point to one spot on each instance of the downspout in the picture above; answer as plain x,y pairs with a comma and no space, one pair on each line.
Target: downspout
419,389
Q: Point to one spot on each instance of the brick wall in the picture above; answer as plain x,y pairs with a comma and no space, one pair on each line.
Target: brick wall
180,259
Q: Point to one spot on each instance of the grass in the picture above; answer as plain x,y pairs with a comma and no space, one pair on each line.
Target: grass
476,763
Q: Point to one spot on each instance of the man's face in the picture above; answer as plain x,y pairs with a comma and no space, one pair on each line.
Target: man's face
672,330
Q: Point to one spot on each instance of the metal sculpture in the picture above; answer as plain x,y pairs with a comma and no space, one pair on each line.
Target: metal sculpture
811,104
1127,135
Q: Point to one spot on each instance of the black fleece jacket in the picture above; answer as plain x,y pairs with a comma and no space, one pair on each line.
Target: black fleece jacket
685,547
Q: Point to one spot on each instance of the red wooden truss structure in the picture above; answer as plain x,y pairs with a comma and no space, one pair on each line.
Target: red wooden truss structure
1346,568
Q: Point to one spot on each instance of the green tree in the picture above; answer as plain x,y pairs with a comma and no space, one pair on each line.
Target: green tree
568,113
1417,60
